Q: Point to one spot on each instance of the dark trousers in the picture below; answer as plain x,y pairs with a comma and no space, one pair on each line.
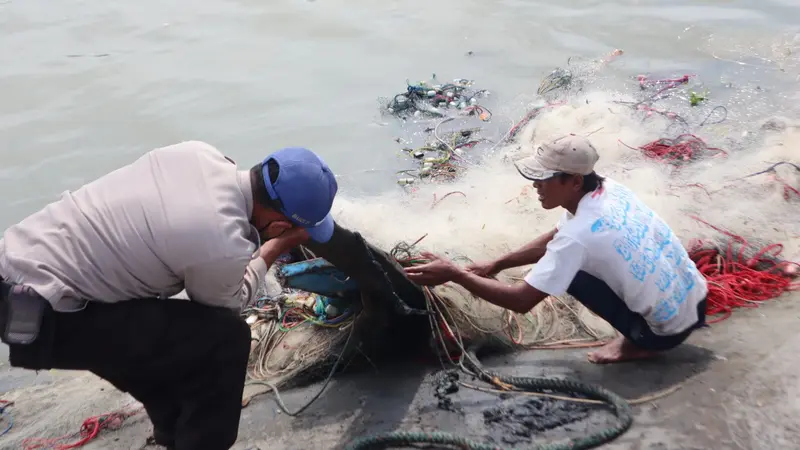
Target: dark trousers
601,300
185,362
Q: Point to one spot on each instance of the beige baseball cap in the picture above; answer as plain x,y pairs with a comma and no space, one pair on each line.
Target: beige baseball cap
568,154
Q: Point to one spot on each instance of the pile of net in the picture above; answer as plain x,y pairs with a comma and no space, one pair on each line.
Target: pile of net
289,339
297,336
556,321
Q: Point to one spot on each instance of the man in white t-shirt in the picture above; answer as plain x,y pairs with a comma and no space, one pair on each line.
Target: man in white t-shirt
609,251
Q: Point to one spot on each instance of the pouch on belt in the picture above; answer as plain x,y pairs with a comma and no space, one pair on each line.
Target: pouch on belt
21,314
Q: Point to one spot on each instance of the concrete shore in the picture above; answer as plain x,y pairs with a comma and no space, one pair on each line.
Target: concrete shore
739,391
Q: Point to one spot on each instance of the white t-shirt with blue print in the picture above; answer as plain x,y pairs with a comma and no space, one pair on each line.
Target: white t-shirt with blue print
618,239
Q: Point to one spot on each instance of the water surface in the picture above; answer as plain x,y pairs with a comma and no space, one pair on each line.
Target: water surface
87,87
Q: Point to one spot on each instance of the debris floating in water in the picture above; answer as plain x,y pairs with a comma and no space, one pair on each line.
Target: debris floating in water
557,79
433,99
441,158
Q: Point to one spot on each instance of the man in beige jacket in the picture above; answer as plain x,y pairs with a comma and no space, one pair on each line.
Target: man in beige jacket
87,280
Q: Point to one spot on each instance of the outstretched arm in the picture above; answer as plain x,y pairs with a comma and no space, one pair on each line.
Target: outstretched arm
530,253
518,297
552,275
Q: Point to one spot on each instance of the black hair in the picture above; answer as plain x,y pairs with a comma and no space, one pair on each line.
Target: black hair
591,182
259,187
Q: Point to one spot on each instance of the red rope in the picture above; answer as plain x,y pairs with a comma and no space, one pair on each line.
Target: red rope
737,282
90,428
293,318
788,189
683,148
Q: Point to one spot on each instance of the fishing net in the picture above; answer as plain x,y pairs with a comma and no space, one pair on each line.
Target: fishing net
298,336
295,335
555,321
282,347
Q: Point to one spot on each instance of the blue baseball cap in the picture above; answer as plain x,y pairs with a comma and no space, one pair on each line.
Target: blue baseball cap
304,190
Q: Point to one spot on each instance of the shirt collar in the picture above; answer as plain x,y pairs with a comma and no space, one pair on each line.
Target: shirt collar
588,197
247,190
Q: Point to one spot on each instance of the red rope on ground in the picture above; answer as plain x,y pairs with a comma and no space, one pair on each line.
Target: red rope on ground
90,428
737,282
787,188
683,148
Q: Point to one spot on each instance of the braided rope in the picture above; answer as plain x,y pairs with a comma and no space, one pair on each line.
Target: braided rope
620,406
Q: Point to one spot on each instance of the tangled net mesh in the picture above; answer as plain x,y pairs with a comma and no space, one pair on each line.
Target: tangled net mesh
285,350
278,355
555,321
286,342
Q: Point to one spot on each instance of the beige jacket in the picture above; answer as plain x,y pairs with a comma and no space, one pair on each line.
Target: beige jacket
178,217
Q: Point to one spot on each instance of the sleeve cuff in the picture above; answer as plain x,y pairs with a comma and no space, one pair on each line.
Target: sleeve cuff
259,266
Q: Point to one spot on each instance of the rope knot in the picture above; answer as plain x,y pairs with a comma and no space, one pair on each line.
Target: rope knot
504,386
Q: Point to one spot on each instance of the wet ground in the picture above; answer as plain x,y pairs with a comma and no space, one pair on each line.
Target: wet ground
740,392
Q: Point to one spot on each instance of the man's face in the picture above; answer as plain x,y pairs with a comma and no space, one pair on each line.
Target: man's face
557,190
271,224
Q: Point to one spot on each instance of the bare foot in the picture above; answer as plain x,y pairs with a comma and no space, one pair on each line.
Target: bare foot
618,350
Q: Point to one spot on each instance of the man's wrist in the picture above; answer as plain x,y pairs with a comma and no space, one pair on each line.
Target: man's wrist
497,266
461,275
269,252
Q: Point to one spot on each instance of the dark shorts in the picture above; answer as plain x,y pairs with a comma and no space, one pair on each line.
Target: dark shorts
184,361
601,300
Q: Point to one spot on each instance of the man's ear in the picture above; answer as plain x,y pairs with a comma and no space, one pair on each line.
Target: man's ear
577,182
277,227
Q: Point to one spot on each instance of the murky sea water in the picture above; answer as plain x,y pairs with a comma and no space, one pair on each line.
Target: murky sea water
86,87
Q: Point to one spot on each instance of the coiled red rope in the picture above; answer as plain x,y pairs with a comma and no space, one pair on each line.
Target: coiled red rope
685,147
735,281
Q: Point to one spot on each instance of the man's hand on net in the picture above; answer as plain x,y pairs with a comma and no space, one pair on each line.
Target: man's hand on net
437,271
483,269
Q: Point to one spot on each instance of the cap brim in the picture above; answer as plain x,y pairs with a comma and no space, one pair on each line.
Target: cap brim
532,170
323,232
